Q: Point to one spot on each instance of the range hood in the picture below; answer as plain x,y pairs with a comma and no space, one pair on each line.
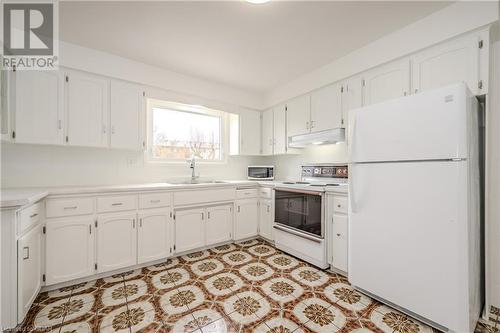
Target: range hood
317,138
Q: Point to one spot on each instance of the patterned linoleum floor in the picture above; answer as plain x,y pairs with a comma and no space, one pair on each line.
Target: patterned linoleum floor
240,287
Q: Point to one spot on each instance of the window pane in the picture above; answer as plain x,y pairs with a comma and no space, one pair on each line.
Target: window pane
178,135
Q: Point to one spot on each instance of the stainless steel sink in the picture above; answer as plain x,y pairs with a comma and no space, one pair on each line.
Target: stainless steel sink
194,181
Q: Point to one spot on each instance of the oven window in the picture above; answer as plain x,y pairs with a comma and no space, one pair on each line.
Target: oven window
300,211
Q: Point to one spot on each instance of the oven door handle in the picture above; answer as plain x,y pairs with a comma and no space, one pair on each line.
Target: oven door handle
284,189
297,233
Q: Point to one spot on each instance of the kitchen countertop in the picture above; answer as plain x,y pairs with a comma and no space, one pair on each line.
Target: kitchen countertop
17,197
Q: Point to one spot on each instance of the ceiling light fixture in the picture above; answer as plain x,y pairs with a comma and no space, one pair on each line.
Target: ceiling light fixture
258,2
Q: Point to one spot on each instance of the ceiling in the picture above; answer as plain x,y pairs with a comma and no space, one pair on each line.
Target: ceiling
247,46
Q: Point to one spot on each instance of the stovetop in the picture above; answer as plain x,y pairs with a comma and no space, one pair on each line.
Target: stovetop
318,178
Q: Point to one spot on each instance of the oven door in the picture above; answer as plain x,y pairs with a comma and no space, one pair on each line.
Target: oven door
300,211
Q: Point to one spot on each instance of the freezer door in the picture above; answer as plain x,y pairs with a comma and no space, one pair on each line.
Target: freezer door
408,237
427,126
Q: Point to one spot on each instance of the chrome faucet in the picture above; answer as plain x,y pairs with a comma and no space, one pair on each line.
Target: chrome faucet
192,166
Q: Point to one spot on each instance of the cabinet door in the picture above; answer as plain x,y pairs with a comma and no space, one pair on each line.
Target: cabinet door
29,270
266,219
153,235
298,115
249,130
189,229
38,101
219,224
326,108
247,218
455,61
339,242
87,110
352,98
267,132
69,249
116,241
387,82
280,139
126,110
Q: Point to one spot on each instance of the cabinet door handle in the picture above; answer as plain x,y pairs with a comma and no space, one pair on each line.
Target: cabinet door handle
338,205
154,201
208,215
140,222
90,229
26,252
338,235
268,208
117,204
133,223
71,207
33,215
104,129
202,216
238,209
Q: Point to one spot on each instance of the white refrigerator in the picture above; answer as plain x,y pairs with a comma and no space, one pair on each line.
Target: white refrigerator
414,205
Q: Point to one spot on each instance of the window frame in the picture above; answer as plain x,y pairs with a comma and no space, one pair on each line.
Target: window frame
196,109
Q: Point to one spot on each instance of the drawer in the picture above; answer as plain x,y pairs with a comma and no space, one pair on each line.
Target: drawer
69,206
340,204
245,194
266,192
154,200
116,203
29,216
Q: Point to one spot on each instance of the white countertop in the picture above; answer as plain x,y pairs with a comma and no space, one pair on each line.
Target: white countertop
17,197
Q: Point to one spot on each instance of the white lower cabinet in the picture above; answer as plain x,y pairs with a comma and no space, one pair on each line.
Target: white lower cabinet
338,228
219,224
69,249
266,219
153,235
29,258
116,241
189,231
247,219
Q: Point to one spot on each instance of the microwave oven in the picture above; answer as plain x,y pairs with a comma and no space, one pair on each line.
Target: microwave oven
261,172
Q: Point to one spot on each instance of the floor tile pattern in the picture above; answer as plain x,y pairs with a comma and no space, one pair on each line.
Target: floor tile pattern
241,287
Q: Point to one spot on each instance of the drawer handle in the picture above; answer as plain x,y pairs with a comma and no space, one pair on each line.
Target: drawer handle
339,206
33,215
26,252
117,204
154,201
71,207
338,235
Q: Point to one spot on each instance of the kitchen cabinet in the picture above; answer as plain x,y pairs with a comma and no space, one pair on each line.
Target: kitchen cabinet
386,82
219,224
280,136
247,218
29,270
154,235
266,219
249,129
189,229
126,110
6,96
337,232
38,107
267,132
116,241
352,98
298,115
87,109
447,63
70,244
326,108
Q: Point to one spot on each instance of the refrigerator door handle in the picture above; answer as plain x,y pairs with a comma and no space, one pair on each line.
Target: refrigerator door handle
352,199
350,139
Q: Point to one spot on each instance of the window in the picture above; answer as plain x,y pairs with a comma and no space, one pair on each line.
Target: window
177,131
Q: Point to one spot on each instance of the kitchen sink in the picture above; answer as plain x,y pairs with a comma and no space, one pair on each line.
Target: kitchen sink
194,181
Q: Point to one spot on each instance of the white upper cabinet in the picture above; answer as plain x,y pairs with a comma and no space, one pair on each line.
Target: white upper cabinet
116,241
69,249
87,105
352,97
38,107
298,115
219,224
249,130
280,136
454,61
326,108
153,235
127,105
387,82
267,132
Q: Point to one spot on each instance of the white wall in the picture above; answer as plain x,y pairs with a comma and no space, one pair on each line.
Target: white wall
33,166
288,166
444,24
